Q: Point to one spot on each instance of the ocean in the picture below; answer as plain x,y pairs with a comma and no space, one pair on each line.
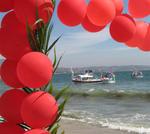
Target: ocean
124,105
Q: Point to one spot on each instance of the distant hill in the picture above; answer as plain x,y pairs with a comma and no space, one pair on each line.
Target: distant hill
106,68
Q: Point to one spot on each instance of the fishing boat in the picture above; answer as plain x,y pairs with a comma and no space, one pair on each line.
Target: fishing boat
89,77
108,78
137,75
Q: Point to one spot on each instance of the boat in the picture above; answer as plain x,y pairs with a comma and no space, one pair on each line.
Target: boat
86,77
137,75
108,78
89,77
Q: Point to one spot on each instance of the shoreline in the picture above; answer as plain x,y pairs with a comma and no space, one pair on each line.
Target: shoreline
77,127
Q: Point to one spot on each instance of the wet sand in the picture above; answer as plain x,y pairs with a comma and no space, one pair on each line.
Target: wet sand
75,127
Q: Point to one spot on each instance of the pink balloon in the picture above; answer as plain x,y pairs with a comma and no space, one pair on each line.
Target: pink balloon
10,105
122,28
13,46
90,27
35,70
101,12
37,131
26,10
11,23
139,8
71,13
45,109
141,31
9,74
145,45
119,6
6,5
8,128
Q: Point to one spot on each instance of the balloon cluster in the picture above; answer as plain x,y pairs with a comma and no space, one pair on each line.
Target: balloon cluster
37,110
97,14
24,68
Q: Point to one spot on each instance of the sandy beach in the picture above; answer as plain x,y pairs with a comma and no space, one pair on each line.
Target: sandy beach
75,127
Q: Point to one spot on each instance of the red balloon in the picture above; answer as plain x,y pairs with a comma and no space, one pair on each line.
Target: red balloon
11,23
90,27
139,8
26,10
8,128
39,109
101,12
145,45
9,74
13,45
35,70
46,13
10,105
37,131
122,28
141,31
119,6
6,5
71,13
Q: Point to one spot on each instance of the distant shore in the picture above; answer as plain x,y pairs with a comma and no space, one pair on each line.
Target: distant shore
75,127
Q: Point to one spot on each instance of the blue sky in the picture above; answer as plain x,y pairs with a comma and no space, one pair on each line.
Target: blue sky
82,49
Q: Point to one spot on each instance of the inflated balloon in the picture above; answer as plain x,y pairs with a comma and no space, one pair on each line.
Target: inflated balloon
122,28
9,74
13,46
90,27
139,8
71,13
26,10
119,6
11,23
139,36
145,45
35,70
46,14
10,105
37,131
39,109
8,128
6,5
101,12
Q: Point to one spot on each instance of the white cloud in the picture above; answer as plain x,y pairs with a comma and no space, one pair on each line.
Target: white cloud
78,42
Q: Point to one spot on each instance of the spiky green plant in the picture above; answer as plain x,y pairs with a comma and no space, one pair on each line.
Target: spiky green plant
39,41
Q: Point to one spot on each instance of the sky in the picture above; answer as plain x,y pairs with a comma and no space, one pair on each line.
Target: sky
84,49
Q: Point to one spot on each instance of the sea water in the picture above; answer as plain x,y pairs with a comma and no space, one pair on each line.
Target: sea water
124,105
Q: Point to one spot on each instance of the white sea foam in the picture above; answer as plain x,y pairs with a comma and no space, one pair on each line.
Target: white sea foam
87,117
91,90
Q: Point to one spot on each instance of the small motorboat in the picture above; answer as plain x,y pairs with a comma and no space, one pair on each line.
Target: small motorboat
137,75
108,78
87,77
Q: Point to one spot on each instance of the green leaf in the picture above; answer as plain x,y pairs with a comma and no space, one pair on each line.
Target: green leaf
1,119
31,38
54,2
61,93
61,107
53,44
27,90
47,36
55,58
51,88
57,64
54,128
